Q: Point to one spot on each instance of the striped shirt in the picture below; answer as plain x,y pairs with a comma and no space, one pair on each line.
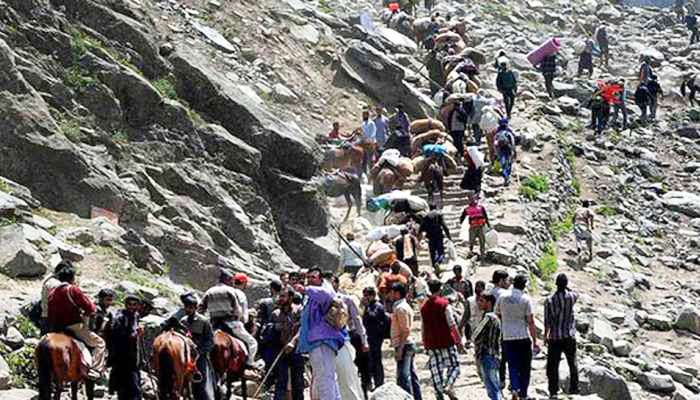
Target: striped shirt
487,337
221,301
559,315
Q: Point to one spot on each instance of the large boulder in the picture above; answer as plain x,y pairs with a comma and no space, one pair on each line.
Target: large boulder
4,374
383,79
656,383
398,42
603,382
236,155
19,394
689,320
683,202
18,257
603,333
211,93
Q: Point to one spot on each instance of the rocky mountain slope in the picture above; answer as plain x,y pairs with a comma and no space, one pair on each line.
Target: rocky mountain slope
154,140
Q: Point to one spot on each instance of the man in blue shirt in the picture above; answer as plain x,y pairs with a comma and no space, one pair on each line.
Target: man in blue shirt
381,124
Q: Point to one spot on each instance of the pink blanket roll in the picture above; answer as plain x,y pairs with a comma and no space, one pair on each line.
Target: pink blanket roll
547,48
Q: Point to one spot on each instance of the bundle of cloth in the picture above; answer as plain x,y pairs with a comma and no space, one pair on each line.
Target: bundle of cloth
392,159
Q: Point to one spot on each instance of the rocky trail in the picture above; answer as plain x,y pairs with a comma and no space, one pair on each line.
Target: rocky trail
151,141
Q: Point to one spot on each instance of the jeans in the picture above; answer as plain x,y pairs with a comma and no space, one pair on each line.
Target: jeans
376,367
293,363
489,366
129,383
505,159
406,373
509,100
556,347
598,121
325,384
653,104
458,138
519,355
437,251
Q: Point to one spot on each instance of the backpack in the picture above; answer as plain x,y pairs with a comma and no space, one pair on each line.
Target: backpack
505,139
508,80
691,21
337,315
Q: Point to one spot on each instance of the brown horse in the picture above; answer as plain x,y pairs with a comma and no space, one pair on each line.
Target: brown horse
174,364
58,360
228,359
347,185
386,181
344,159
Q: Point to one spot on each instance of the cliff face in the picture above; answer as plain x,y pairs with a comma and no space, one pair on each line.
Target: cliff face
100,109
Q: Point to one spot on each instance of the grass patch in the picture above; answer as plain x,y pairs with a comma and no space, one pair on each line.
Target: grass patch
70,128
143,278
196,117
80,44
120,135
576,185
22,369
547,264
4,187
7,221
166,88
534,184
563,226
78,78
324,6
607,210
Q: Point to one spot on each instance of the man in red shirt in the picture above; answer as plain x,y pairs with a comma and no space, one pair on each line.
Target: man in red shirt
334,134
442,340
478,220
67,306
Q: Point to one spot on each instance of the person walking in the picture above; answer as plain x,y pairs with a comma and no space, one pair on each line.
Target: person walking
377,325
654,92
286,320
442,340
319,339
407,250
620,104
548,68
643,99
560,335
352,357
368,140
401,124
103,315
457,126
583,229
501,281
600,112
585,60
478,220
352,256
487,346
124,358
505,149
381,125
507,85
645,70
519,335
199,329
691,22
435,229
472,312
402,343
601,36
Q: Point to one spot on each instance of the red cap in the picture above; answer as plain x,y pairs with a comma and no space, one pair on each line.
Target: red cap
240,278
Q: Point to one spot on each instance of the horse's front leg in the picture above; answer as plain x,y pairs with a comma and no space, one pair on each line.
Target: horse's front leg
348,200
229,384
74,390
244,388
89,389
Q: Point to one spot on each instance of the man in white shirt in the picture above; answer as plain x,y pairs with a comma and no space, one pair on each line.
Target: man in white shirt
240,281
519,335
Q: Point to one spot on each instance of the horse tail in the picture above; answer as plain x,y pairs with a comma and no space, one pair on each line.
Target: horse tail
43,362
166,375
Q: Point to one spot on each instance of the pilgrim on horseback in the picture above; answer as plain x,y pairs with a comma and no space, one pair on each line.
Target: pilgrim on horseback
123,336
68,308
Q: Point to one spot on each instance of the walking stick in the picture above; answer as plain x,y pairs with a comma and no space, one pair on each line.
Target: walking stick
340,236
272,367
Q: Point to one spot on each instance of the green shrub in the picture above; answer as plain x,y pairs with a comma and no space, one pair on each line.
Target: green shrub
576,185
607,210
565,225
120,136
6,221
26,327
22,370
4,187
547,264
534,184
166,88
70,128
77,78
